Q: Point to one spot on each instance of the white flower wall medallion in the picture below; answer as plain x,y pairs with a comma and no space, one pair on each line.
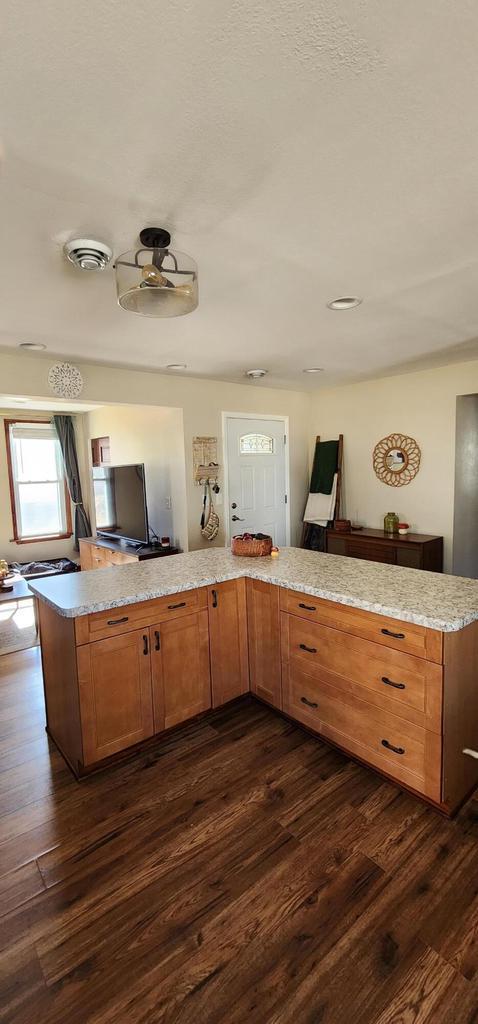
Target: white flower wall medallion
65,380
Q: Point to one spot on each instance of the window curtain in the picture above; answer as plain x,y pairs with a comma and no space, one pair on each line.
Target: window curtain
66,436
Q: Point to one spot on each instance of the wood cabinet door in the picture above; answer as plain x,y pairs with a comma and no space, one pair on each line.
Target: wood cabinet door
180,669
228,640
263,622
85,555
116,706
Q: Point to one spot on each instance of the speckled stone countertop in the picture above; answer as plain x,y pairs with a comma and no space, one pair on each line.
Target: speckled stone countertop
430,599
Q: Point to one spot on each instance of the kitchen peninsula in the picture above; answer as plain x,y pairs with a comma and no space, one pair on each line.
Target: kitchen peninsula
378,659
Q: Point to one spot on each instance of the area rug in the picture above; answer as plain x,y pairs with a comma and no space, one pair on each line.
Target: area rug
17,626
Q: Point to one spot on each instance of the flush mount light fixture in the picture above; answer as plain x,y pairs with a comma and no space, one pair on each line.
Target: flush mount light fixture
313,369
154,280
87,253
32,346
255,374
177,366
345,302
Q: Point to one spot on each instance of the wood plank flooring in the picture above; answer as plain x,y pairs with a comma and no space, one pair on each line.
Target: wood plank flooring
238,871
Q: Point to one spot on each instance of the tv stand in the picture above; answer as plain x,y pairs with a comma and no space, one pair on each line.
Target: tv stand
100,552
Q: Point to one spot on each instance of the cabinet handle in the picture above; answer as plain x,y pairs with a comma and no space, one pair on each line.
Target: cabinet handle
145,644
311,650
308,607
390,682
390,746
182,604
157,645
117,622
396,636
214,598
310,703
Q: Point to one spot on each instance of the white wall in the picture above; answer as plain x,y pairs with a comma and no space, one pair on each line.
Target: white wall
422,405
155,436
9,549
202,402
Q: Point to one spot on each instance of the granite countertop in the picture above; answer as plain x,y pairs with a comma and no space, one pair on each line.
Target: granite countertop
430,599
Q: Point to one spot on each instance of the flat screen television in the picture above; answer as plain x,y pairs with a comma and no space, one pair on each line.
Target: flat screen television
120,503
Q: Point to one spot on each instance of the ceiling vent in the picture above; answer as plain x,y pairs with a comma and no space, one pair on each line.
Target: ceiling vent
87,254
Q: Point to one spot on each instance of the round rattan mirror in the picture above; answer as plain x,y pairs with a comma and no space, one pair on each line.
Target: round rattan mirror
396,459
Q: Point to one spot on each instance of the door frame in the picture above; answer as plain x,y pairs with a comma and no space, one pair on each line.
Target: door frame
225,416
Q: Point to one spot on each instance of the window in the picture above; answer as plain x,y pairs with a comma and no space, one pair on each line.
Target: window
38,492
256,444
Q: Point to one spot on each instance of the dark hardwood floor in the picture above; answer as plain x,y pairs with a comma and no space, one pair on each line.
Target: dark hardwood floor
238,871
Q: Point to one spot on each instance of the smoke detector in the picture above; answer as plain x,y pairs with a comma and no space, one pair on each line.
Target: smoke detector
255,374
88,254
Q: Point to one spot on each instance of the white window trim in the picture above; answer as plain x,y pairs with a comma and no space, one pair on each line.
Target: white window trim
46,428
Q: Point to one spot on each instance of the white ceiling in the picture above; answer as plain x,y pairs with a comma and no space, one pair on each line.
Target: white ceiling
299,150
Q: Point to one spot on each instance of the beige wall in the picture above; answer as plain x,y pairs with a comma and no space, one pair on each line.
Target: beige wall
202,402
8,548
422,405
155,436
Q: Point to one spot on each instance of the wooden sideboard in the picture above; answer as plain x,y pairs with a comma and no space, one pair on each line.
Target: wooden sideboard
398,696
415,550
99,553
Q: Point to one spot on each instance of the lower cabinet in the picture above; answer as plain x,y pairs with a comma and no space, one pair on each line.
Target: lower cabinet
116,705
180,669
228,640
263,627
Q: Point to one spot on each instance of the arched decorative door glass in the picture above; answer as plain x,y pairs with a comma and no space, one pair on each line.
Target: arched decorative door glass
256,444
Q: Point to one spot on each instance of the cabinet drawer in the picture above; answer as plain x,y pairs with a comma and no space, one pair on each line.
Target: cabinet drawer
371,552
404,751
100,625
399,683
121,558
402,636
99,557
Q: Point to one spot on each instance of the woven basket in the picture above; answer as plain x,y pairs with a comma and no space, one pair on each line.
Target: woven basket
251,548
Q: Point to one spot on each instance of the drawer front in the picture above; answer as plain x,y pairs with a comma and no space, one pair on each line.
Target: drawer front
371,552
401,636
101,625
406,752
398,683
121,558
100,557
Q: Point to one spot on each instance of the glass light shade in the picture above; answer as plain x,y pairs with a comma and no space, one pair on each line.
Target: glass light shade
157,282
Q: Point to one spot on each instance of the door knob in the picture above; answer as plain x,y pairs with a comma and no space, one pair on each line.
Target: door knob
237,519
234,504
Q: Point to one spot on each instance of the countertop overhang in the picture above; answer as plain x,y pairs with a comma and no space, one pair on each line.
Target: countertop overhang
433,600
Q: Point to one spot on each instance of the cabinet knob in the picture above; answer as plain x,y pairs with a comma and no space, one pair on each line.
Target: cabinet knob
390,682
396,636
390,746
310,650
157,637
310,703
145,644
214,598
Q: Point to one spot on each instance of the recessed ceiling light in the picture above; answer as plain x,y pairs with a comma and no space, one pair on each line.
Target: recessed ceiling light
177,366
255,374
313,369
345,302
32,346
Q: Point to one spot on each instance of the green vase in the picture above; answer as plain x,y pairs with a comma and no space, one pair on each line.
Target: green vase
390,523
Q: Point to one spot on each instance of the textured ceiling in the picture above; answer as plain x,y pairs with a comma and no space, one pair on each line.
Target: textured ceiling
298,150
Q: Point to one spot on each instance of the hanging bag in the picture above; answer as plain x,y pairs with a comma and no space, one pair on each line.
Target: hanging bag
209,524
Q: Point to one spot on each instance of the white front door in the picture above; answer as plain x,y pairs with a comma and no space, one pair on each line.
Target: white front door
256,460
